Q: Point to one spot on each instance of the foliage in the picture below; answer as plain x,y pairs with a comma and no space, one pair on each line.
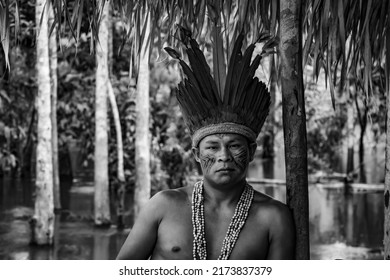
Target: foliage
75,114
17,97
171,142
376,103
325,128
324,143
351,34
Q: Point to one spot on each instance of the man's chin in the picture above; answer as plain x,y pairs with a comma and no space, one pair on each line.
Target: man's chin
223,180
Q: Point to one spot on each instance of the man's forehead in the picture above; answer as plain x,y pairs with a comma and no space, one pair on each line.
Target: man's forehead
223,137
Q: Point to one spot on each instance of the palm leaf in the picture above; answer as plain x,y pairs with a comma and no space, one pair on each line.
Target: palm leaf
4,30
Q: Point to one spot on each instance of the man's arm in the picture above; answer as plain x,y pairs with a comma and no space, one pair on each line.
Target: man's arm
281,234
142,238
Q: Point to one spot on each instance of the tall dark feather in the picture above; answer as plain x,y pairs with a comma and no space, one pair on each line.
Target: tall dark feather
204,77
235,59
242,71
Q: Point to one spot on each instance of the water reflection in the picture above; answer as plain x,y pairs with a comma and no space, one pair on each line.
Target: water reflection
341,226
366,214
325,211
359,215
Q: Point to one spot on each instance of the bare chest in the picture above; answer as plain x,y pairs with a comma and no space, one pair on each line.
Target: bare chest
175,237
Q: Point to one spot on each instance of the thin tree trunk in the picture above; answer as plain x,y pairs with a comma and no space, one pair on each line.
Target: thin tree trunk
102,200
120,190
53,88
386,239
269,135
350,129
294,121
350,126
120,165
28,147
264,74
273,88
142,145
44,218
362,117
362,167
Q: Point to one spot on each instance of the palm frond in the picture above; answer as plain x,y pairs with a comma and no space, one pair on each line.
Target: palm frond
351,34
346,37
4,29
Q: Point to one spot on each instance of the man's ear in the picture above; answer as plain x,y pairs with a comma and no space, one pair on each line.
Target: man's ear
195,152
252,151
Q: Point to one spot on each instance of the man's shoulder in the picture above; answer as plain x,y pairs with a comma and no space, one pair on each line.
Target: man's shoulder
179,195
265,200
166,201
269,208
274,217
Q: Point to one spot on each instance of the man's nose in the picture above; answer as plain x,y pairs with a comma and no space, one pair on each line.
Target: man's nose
224,154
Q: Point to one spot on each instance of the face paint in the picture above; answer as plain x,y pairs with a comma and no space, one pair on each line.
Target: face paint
220,135
240,157
206,161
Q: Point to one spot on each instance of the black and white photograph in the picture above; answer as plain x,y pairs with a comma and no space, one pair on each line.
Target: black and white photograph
195,130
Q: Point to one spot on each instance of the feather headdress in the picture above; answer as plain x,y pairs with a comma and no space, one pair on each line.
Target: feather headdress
241,108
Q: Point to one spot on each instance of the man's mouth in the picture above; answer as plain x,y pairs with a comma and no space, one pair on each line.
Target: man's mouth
225,170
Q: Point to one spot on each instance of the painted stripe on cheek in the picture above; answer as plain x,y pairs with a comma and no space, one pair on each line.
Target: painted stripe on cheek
206,162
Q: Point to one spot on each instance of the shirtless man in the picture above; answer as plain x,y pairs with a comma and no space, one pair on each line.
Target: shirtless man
220,217
164,229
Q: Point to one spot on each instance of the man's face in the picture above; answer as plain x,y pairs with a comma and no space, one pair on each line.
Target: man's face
224,158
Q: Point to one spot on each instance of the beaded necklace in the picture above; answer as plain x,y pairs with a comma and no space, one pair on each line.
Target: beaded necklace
241,212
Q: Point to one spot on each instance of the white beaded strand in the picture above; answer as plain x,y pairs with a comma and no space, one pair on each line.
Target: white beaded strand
236,224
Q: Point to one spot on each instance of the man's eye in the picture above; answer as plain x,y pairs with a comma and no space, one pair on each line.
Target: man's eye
234,146
211,148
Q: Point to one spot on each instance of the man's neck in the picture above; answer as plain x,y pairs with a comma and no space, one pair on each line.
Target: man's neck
223,194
